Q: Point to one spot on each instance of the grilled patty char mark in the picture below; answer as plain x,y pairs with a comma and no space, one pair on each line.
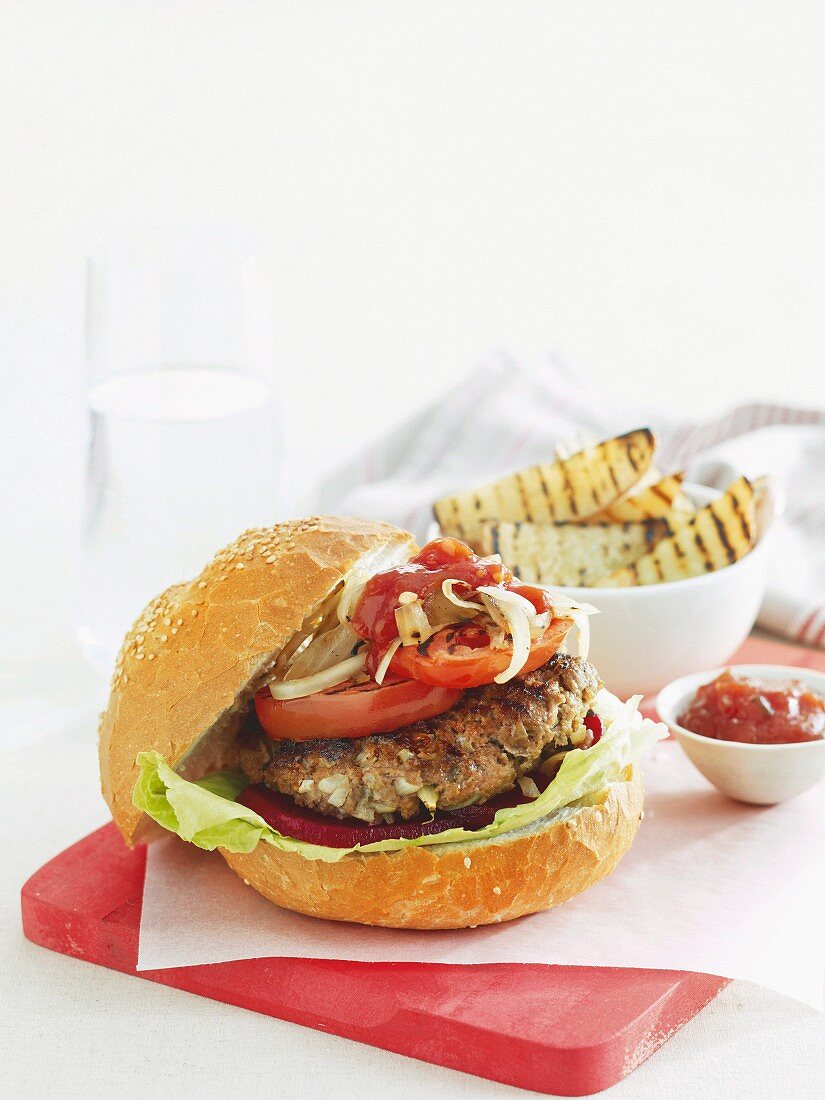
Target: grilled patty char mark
470,753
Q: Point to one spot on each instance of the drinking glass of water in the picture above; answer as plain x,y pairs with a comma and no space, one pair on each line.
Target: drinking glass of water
183,446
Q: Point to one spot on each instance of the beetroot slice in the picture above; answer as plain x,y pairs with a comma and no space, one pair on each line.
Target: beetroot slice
289,819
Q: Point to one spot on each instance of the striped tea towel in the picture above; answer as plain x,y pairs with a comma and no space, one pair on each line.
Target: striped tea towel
507,415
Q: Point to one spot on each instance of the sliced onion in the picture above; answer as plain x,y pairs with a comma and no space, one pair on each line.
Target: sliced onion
381,671
579,612
499,618
442,611
319,681
447,588
323,651
353,588
490,595
552,764
429,796
562,603
511,607
499,638
539,624
529,787
504,595
413,624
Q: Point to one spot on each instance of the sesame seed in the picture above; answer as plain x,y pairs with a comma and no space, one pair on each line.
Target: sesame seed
167,621
496,889
194,615
178,622
201,584
174,630
164,637
239,565
151,656
139,656
468,862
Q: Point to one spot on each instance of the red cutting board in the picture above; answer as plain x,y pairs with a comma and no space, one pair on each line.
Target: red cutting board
565,1030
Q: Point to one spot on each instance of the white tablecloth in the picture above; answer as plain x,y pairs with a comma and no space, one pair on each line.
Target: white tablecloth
70,1029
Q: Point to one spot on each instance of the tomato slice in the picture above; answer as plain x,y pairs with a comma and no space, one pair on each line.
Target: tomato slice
353,710
454,658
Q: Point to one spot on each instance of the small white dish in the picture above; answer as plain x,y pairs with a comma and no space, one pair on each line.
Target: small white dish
760,774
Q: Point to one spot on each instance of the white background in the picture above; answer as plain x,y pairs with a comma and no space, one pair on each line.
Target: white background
638,186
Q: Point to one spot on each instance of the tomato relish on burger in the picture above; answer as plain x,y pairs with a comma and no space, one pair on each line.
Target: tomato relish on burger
446,619
357,724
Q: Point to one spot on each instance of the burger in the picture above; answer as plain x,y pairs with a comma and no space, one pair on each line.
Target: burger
372,732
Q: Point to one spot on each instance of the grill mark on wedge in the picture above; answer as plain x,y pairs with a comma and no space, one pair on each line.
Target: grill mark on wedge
613,477
525,500
634,457
568,489
591,484
722,535
707,561
739,512
496,541
548,496
457,523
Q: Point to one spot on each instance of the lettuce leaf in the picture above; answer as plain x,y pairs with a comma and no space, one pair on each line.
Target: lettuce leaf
205,813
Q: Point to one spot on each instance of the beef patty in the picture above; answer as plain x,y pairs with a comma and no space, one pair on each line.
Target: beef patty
478,749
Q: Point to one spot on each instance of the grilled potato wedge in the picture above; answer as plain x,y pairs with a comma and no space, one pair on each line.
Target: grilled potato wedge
662,500
570,553
570,489
717,535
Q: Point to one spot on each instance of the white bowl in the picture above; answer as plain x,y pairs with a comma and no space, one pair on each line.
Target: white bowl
643,637
761,774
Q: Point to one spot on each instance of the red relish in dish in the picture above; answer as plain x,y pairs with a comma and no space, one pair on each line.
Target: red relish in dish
755,712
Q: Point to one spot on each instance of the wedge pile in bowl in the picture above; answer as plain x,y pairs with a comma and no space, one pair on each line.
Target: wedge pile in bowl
604,517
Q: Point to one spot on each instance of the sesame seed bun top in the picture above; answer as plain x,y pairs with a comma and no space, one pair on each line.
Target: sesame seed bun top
199,651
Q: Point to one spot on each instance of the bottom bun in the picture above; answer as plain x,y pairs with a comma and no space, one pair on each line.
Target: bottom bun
457,885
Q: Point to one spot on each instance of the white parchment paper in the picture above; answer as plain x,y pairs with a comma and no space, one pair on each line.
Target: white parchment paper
710,885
